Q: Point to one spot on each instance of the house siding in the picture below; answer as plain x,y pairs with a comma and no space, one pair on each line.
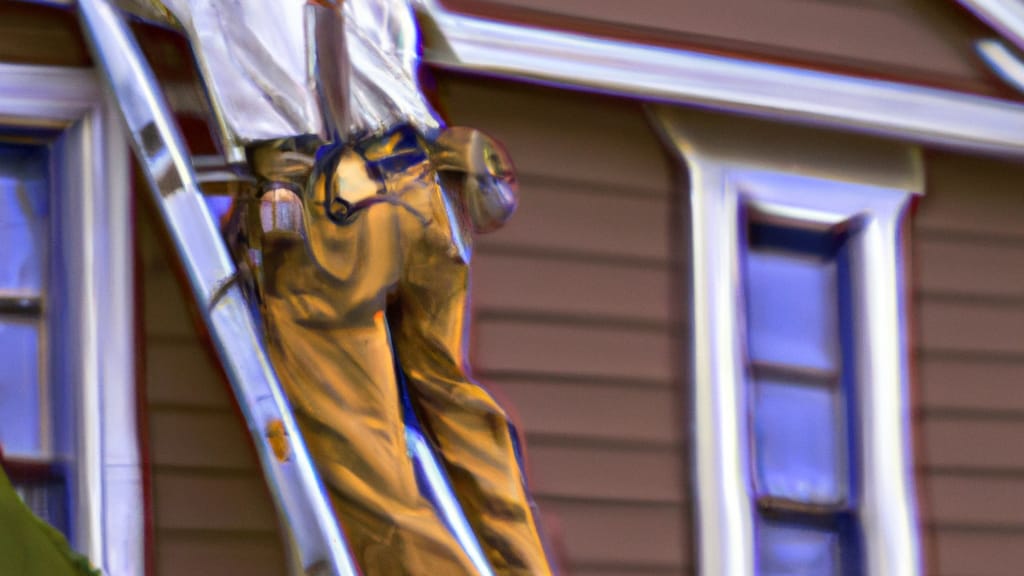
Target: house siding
211,512
575,325
40,35
581,315
580,319
580,327
968,257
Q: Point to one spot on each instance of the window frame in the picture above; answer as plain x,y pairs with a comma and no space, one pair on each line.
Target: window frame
94,212
822,179
49,460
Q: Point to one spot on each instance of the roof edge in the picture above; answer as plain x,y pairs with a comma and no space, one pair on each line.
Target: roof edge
678,76
933,116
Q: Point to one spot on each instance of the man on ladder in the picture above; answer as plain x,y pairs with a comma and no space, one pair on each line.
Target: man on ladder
358,242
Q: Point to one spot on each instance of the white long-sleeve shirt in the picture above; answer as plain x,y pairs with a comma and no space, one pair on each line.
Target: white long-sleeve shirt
257,60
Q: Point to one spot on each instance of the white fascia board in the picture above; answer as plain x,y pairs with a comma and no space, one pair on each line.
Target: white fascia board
678,76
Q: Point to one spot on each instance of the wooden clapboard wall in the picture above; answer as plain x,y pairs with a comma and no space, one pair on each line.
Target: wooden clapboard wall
578,321
210,508
968,254
576,299
580,325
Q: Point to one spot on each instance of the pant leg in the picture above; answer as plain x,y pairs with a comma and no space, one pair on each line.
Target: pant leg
329,345
465,422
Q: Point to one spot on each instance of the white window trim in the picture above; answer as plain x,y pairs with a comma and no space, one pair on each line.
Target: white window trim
95,212
799,174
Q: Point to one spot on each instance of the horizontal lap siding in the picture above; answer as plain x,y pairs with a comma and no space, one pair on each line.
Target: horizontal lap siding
211,510
968,259
40,36
577,329
576,323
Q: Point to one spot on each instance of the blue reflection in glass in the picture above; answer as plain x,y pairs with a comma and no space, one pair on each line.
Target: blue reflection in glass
792,311
19,389
219,206
800,443
796,550
24,211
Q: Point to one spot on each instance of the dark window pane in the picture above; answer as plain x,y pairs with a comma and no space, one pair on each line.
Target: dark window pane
790,549
792,309
24,214
19,389
46,494
800,442
821,244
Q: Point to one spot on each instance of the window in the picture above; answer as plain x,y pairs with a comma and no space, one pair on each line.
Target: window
802,455
795,282
67,391
31,433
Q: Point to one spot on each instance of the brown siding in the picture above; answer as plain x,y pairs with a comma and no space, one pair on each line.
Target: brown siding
912,40
211,510
578,326
576,310
40,35
969,286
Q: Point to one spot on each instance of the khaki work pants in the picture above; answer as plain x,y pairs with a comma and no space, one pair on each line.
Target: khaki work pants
339,301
